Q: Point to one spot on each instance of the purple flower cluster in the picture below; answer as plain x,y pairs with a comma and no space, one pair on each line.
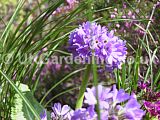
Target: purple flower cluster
91,39
153,108
61,112
110,100
111,107
143,85
147,93
151,99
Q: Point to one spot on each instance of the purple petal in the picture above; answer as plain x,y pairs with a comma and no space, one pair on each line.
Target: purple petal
43,115
89,97
115,92
122,96
57,108
136,114
132,104
65,109
91,110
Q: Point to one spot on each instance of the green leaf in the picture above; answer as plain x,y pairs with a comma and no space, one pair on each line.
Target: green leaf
20,111
21,95
34,103
16,110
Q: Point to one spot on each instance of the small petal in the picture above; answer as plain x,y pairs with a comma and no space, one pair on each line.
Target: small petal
65,109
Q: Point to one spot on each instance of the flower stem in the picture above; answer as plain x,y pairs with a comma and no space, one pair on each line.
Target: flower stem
88,67
83,87
95,80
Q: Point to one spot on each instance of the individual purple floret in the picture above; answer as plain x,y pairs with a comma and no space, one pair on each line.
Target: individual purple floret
91,39
143,85
84,114
43,115
61,112
104,95
131,110
110,103
119,96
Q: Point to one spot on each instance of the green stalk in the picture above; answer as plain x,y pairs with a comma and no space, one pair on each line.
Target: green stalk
94,66
123,75
95,80
83,87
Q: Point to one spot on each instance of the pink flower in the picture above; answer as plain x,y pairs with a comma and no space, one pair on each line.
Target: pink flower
113,16
129,13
